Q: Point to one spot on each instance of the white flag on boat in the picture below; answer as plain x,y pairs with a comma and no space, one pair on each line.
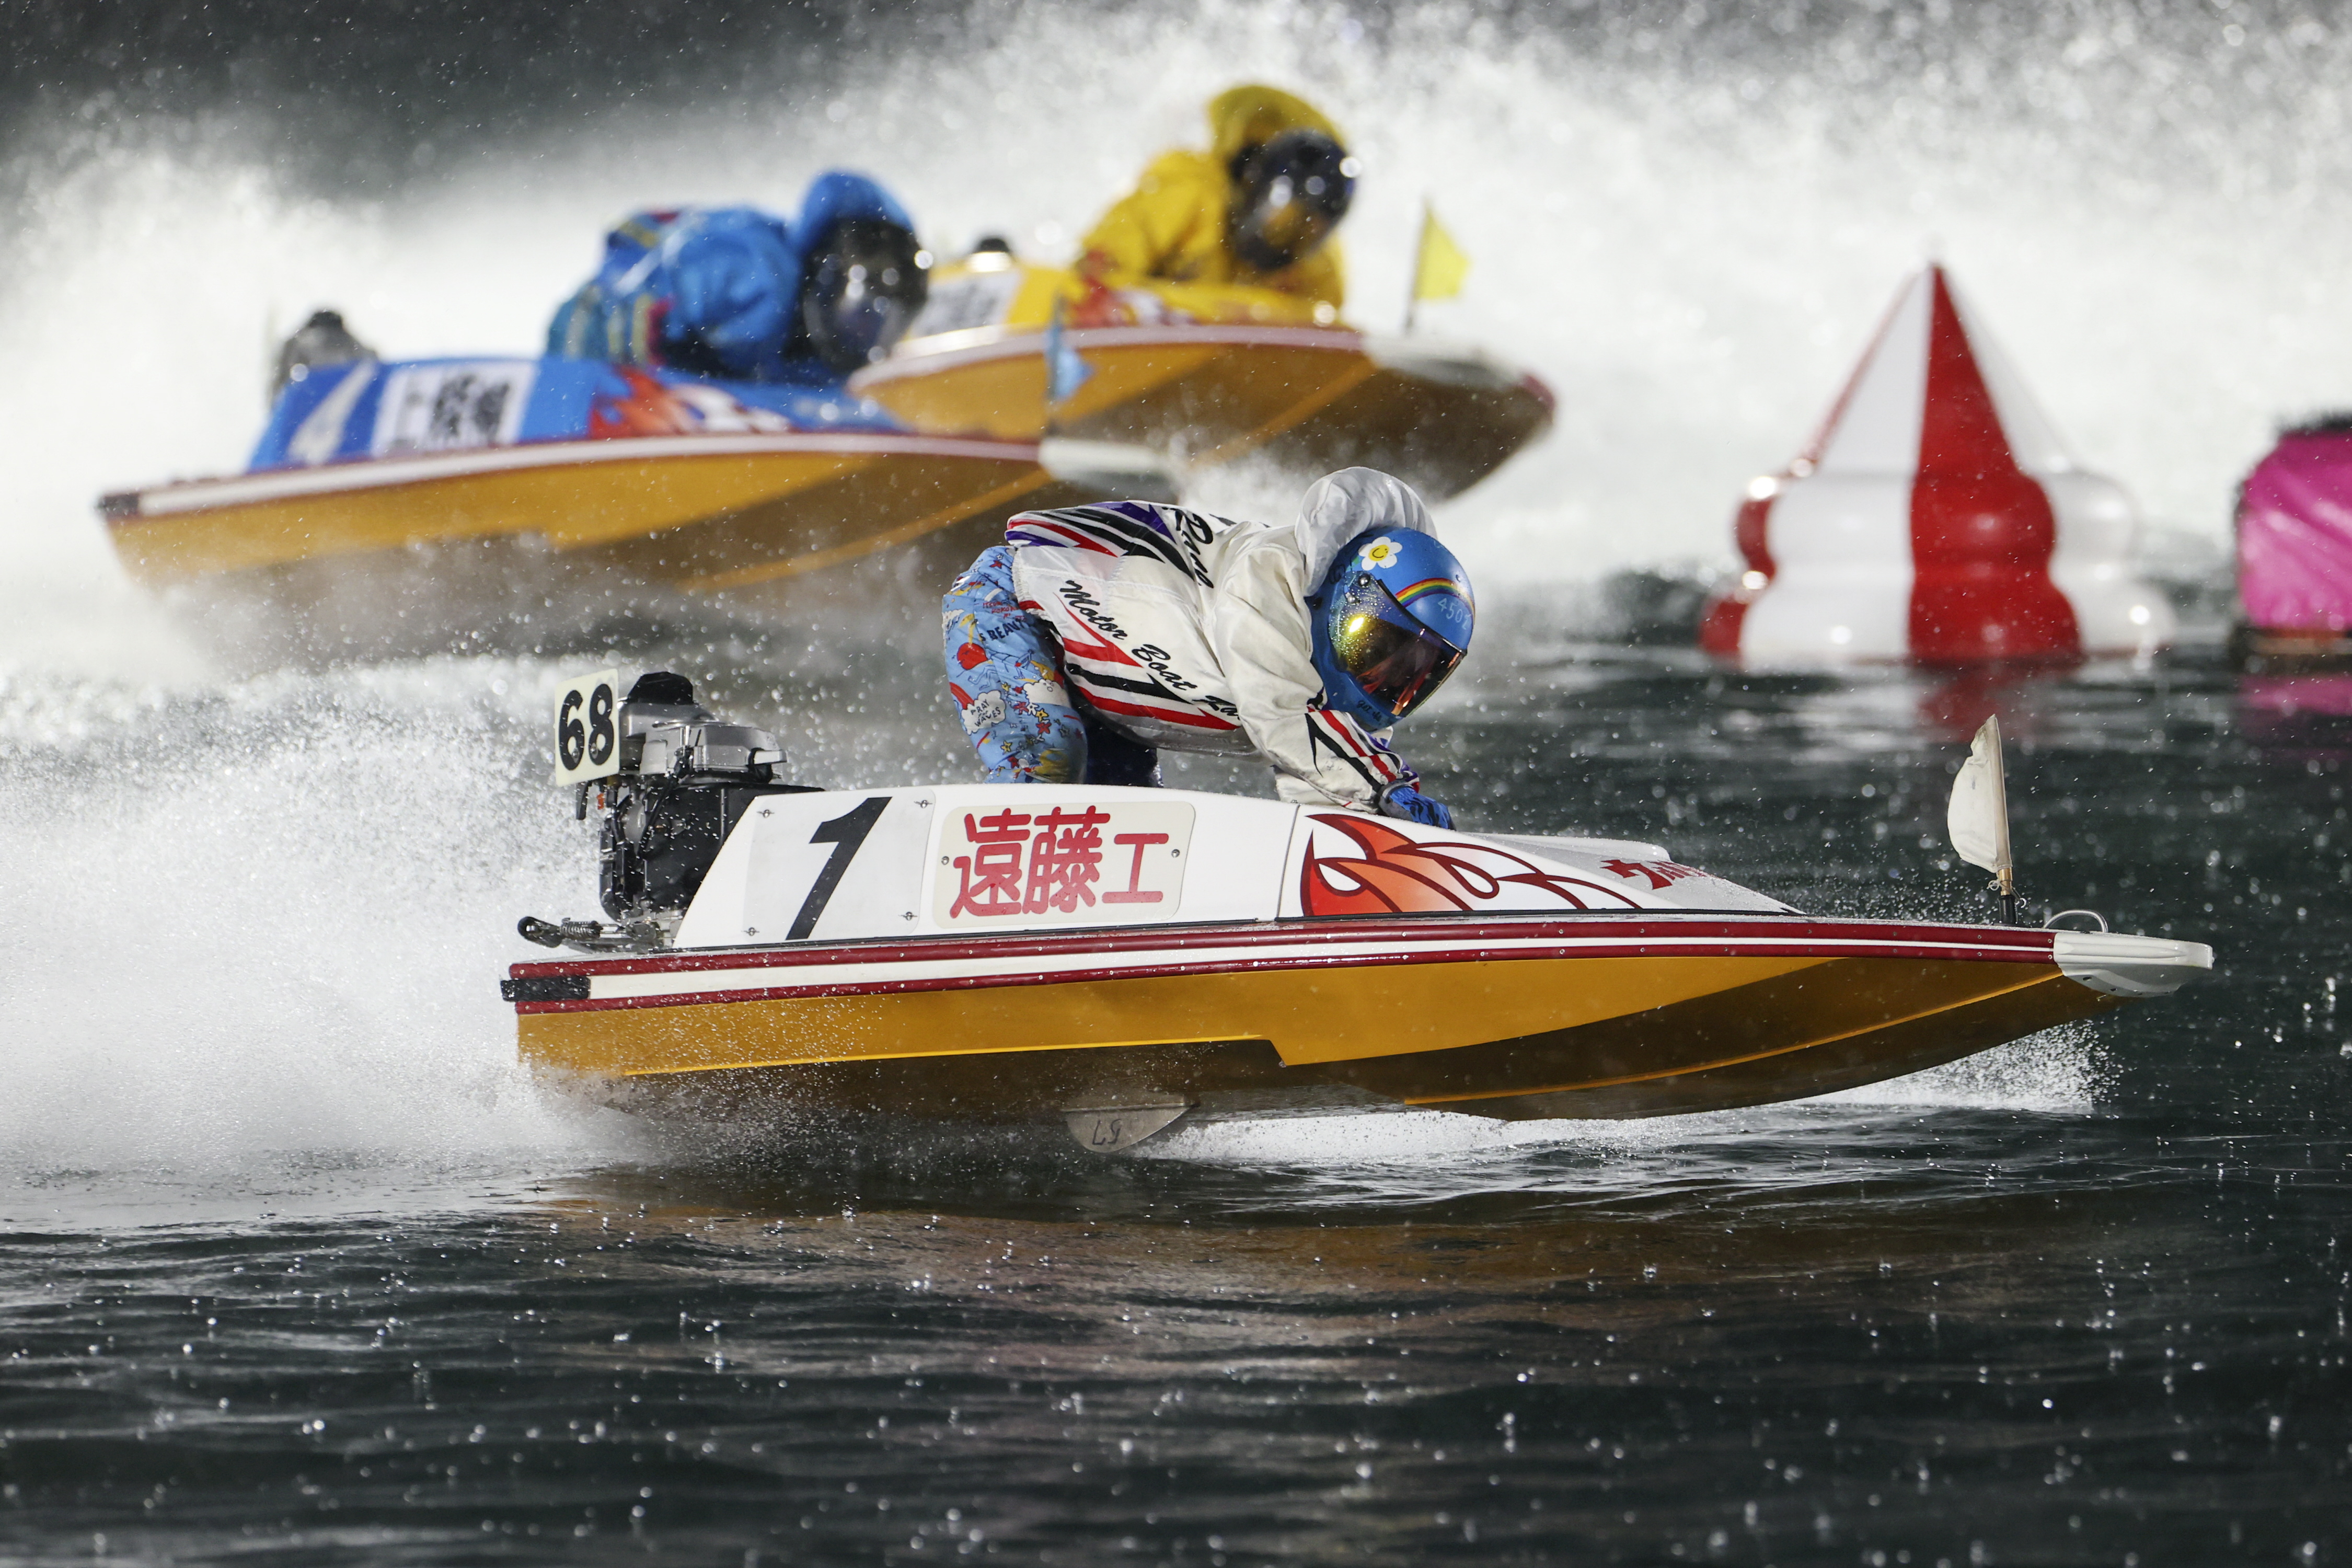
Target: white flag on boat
1979,818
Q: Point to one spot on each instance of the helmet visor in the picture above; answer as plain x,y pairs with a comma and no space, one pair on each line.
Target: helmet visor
1292,193
865,290
1280,227
1399,662
858,325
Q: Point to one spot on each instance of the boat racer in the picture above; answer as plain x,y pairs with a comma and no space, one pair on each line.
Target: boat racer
1258,208
1095,636
740,294
323,340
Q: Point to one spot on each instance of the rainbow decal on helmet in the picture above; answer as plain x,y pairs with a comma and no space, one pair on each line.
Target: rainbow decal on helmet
1428,585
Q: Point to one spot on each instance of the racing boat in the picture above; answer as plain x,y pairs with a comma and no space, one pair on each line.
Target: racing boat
1206,373
1119,959
457,488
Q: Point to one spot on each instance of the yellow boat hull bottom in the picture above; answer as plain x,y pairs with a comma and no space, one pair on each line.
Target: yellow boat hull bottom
1589,1037
420,553
1307,399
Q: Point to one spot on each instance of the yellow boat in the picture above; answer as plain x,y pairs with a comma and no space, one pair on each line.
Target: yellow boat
699,512
1118,959
1207,374
680,489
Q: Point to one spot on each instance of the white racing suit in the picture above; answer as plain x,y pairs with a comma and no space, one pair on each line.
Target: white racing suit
1174,630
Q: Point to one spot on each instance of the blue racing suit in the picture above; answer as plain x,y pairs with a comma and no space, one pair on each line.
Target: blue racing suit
713,290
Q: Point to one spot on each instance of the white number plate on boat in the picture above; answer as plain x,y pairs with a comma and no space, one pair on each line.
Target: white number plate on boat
1020,863
586,741
452,407
958,303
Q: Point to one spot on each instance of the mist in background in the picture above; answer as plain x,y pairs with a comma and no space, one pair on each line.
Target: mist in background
1686,219
261,913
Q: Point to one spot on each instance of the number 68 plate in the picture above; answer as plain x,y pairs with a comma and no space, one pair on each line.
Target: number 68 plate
587,740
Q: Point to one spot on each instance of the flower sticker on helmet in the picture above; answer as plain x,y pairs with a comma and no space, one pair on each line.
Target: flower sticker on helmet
1379,553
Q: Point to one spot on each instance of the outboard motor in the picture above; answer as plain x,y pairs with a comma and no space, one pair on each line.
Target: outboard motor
683,778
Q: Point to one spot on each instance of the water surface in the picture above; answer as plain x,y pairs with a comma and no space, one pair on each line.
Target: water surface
292,1263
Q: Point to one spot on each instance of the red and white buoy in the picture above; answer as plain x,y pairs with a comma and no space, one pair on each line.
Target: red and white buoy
1936,517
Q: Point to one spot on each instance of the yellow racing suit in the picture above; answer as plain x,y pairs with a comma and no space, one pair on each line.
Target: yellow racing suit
1171,227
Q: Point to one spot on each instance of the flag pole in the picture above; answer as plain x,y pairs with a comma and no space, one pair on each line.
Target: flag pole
1412,273
1053,377
1978,817
2005,873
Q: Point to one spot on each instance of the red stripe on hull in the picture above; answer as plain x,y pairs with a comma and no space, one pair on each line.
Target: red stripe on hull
186,497
1206,967
1449,940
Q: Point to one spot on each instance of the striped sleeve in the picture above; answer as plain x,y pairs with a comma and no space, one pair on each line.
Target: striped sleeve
1122,528
1338,742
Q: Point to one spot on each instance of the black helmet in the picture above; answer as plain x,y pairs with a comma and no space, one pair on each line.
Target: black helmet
863,284
322,340
1289,193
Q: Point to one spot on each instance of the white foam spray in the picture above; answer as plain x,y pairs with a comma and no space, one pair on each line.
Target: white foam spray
267,921
2057,1073
1690,245
259,944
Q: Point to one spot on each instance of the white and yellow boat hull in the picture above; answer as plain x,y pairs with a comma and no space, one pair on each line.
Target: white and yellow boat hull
1167,369
696,512
1255,955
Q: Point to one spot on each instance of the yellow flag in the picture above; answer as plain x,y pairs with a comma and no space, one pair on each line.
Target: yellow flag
1438,271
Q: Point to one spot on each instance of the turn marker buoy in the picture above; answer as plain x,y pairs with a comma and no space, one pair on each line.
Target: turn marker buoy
1936,517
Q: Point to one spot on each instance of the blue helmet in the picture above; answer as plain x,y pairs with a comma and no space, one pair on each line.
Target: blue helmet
1391,619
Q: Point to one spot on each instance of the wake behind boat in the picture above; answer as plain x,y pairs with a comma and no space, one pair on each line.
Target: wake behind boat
1119,959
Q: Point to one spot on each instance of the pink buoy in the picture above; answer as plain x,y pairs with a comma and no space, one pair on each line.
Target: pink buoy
1936,517
2295,543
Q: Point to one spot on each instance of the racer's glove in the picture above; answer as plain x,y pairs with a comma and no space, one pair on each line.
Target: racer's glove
1403,800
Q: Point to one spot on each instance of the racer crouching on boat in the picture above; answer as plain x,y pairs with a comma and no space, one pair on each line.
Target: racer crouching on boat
1097,635
739,294
1258,208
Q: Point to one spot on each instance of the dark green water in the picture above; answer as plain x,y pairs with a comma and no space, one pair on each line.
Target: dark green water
295,1268
291,1269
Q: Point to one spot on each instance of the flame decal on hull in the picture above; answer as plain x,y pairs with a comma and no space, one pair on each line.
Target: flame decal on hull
1399,875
